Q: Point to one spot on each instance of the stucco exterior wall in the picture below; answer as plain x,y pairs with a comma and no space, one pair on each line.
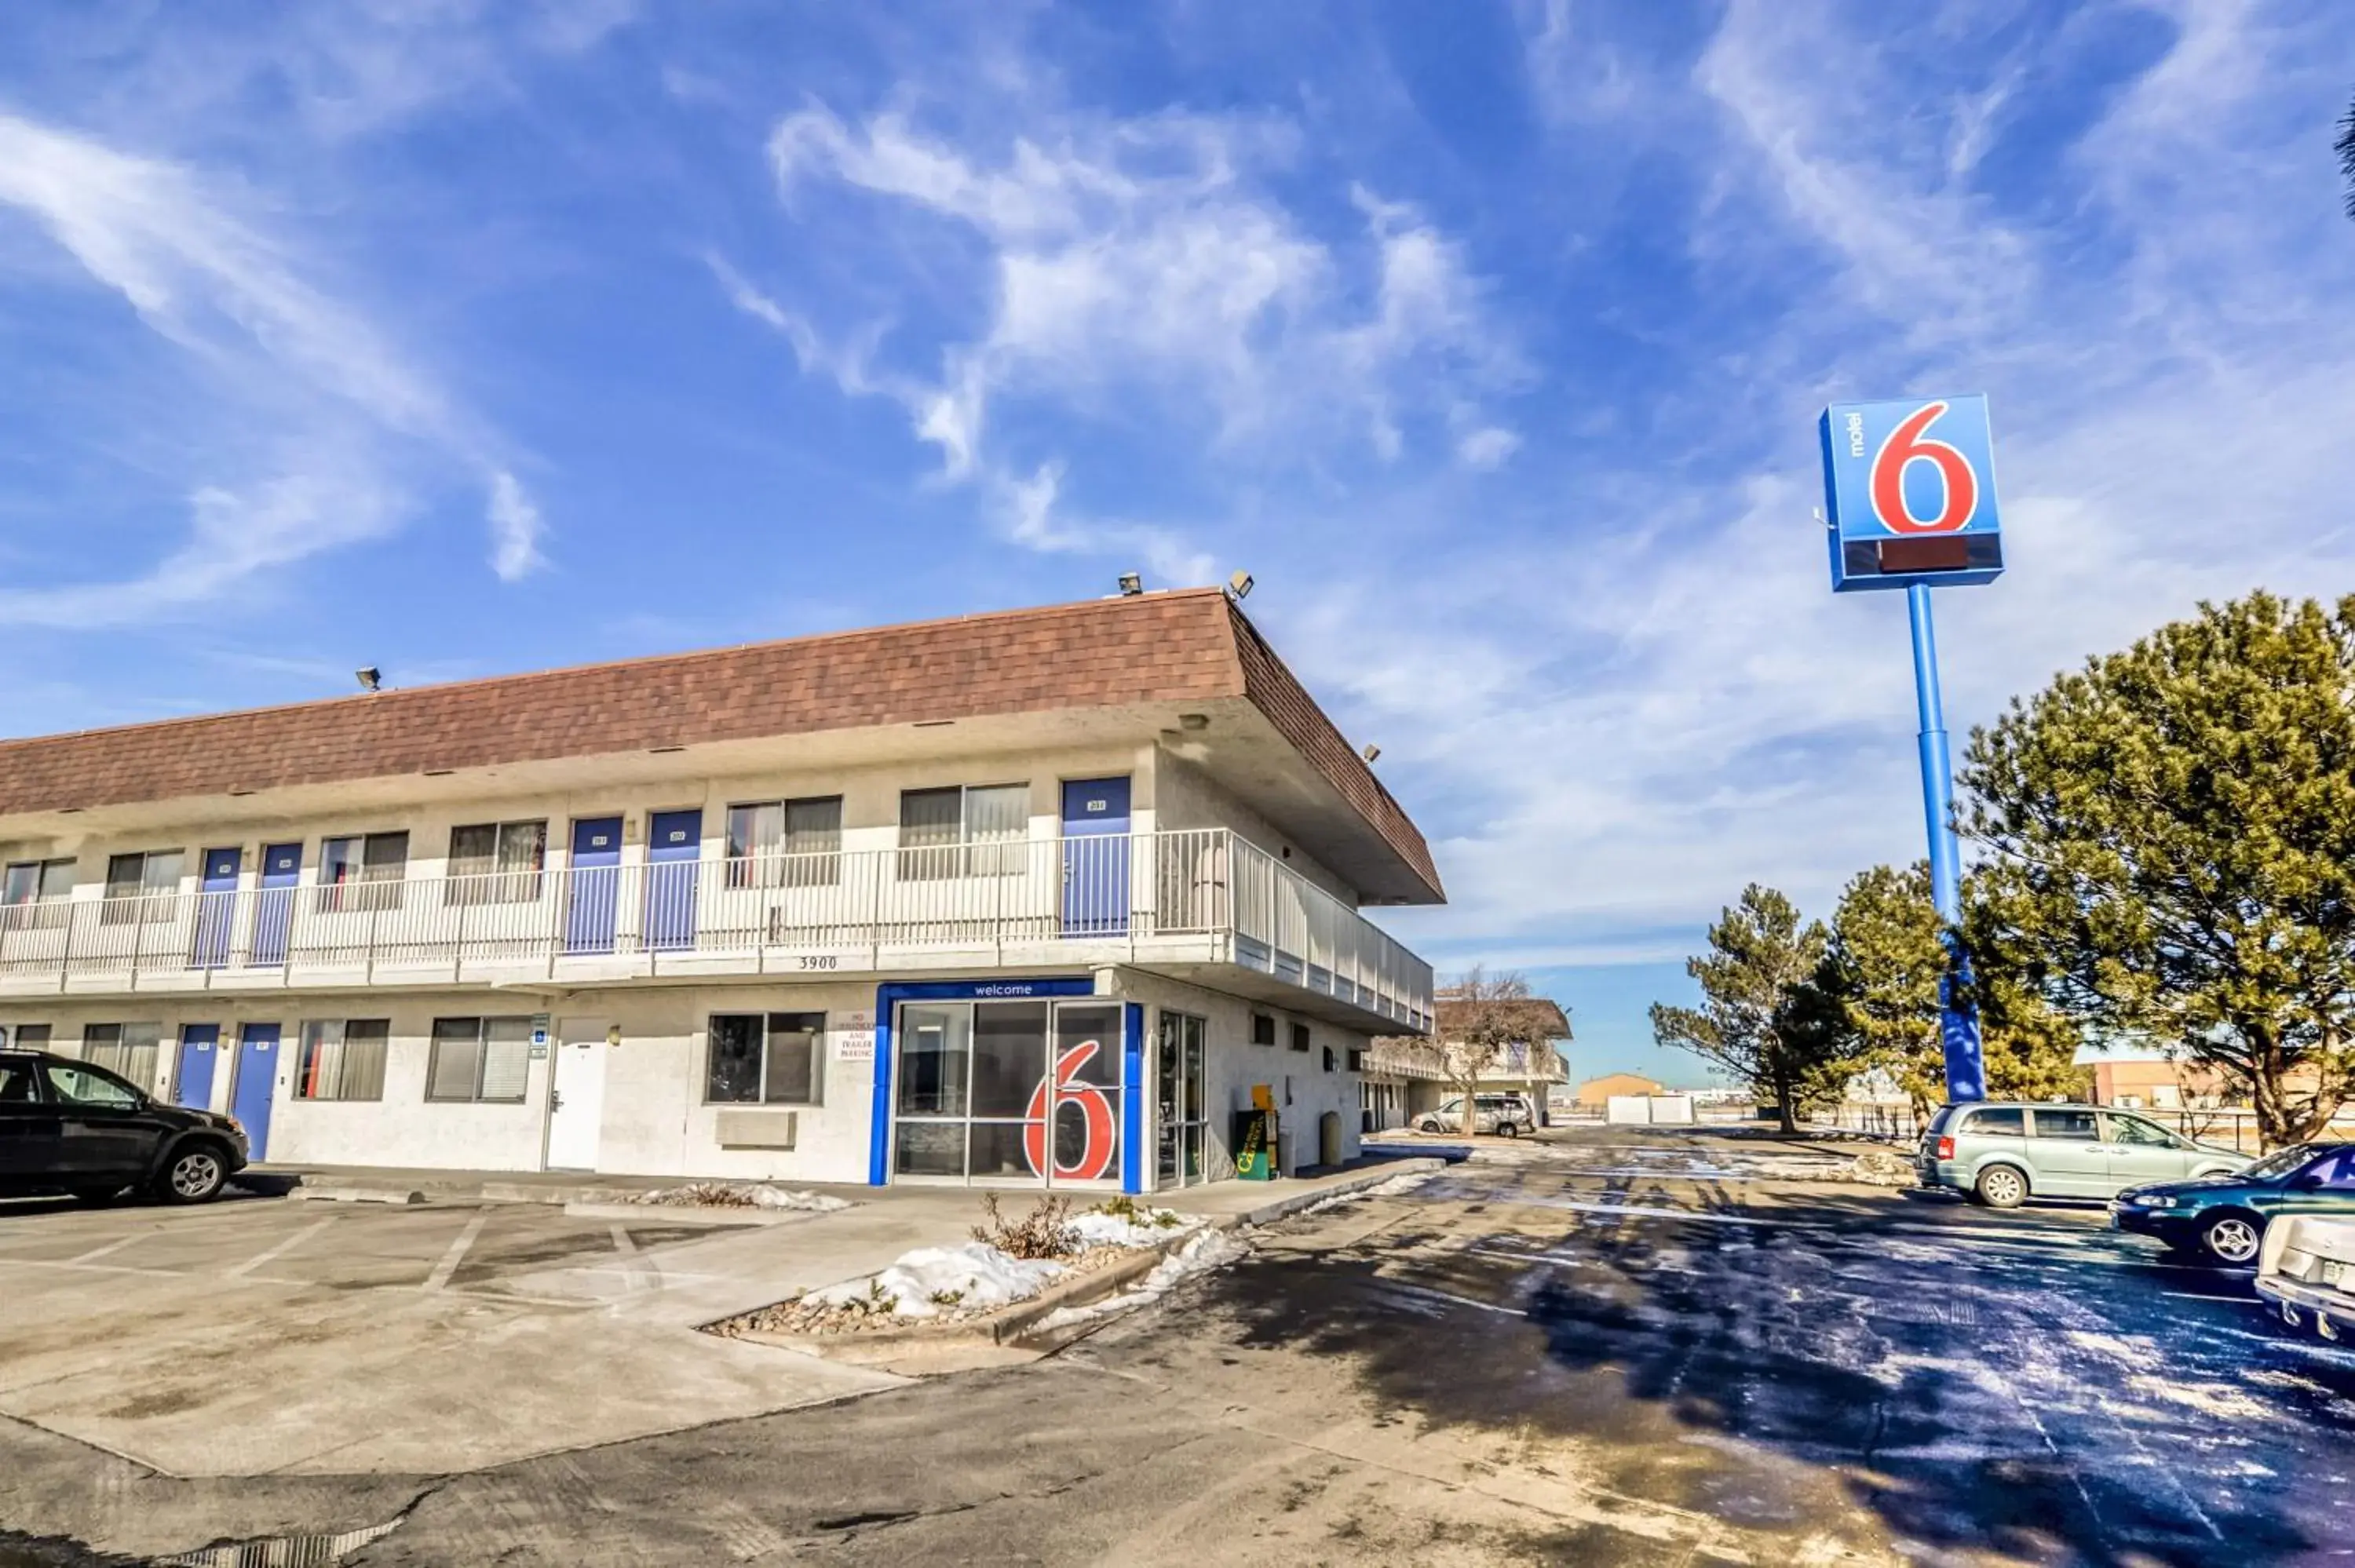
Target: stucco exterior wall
1303,1090
1186,797
654,1119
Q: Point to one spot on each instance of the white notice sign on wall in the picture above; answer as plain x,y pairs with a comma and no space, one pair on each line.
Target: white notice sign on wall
855,1046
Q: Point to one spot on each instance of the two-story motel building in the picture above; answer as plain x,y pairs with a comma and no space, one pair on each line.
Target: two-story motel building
1033,897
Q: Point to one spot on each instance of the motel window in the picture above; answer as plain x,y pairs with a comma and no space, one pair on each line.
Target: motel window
126,1050
1263,1029
482,1060
343,1059
771,1059
27,1037
1357,1060
362,871
30,884
496,862
141,886
785,843
968,831
1300,1037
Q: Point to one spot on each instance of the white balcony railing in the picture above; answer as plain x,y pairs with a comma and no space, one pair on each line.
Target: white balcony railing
1197,896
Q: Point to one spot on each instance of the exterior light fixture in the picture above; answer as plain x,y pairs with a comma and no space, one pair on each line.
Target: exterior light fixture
370,677
1131,585
1240,585
1372,751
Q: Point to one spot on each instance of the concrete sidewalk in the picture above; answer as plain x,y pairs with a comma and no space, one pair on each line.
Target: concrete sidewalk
1230,1203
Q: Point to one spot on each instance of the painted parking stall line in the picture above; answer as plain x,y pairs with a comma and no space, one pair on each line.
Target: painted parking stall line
108,1250
443,1271
280,1250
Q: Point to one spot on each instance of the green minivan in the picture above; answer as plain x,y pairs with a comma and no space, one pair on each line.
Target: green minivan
2004,1153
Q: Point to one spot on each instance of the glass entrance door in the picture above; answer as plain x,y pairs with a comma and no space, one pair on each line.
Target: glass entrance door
1178,1077
1013,1093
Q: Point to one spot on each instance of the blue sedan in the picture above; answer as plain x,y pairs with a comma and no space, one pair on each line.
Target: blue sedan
2222,1219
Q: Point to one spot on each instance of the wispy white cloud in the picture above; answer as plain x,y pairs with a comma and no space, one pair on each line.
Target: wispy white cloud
314,386
233,535
1490,447
515,528
1134,268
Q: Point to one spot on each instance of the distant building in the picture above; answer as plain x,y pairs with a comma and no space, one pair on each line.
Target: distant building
1596,1092
2135,1075
1405,1076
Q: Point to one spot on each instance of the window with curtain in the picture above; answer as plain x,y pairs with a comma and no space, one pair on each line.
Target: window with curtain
126,1050
362,871
962,830
481,1060
141,886
28,886
496,862
785,843
343,1059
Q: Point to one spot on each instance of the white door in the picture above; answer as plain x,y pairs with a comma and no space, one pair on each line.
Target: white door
577,1096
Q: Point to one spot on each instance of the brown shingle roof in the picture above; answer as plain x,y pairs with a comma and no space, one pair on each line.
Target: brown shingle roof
1191,645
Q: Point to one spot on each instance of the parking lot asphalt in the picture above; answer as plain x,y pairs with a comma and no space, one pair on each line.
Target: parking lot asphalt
1613,1351
1899,1373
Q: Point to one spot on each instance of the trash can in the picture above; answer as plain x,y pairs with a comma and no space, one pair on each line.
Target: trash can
1254,1143
1328,1139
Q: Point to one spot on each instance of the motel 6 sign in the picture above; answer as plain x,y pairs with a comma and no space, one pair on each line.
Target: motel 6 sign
1911,488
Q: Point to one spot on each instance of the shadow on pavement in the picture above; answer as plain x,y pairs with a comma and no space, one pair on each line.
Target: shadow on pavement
1943,1391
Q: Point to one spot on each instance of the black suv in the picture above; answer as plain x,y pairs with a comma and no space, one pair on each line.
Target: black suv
68,1126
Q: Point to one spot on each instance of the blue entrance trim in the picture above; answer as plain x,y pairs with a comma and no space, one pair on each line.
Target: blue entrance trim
889,997
1132,1102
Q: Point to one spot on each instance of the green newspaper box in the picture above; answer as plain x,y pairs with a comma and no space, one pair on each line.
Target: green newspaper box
1254,1144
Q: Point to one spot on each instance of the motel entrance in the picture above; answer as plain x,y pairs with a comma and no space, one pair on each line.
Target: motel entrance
1026,1089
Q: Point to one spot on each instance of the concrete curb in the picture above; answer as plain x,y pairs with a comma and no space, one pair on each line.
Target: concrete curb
881,1346
1007,1324
1349,1186
356,1194
713,1216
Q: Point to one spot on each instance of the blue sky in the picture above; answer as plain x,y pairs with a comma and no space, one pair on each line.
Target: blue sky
467,337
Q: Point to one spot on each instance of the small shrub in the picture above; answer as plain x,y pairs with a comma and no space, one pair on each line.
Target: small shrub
947,1299
1121,1206
1044,1232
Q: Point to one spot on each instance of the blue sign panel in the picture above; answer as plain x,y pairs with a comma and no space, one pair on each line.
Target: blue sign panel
1909,491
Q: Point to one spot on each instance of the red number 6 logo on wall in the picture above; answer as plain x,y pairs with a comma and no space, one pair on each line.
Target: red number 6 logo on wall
1095,1109
1906,445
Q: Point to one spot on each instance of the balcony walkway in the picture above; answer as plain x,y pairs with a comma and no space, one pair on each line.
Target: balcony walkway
1179,901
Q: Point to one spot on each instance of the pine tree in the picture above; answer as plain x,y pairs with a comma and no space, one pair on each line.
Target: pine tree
1762,1018
1886,957
2173,834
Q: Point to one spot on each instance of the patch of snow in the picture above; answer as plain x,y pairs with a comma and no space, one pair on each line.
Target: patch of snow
2212,1399
740,1195
2137,1350
1097,1228
1211,1249
976,1275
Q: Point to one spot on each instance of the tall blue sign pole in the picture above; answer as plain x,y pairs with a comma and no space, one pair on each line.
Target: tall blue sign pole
1910,496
